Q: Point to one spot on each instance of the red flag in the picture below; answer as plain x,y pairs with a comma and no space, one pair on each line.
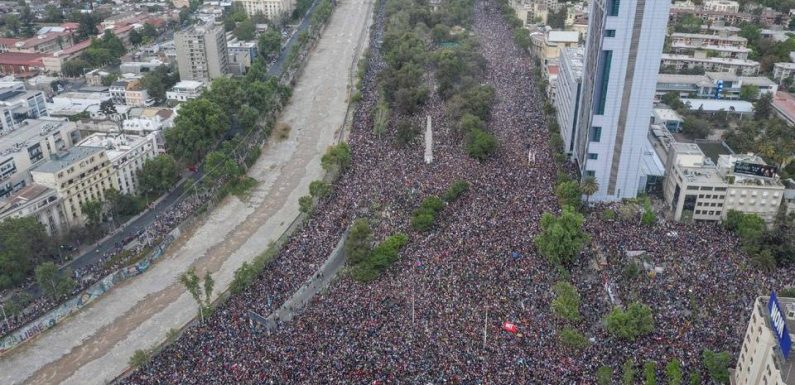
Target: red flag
510,327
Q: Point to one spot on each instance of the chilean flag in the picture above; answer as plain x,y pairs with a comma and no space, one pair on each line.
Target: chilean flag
510,327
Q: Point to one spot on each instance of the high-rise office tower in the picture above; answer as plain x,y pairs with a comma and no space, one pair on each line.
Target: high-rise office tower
201,52
622,59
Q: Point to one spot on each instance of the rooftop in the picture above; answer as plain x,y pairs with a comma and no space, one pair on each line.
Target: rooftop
726,60
31,130
573,56
115,145
667,114
563,37
23,196
677,78
62,161
20,58
757,81
785,65
713,149
784,103
716,105
705,36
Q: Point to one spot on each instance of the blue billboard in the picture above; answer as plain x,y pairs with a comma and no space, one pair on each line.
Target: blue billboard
779,324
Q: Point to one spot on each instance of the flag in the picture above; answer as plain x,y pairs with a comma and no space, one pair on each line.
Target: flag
510,327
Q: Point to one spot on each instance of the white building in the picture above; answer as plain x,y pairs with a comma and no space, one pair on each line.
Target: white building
622,58
705,86
761,360
70,103
567,95
715,64
144,121
36,201
79,175
18,104
272,9
699,189
783,71
722,6
29,145
185,90
127,154
201,52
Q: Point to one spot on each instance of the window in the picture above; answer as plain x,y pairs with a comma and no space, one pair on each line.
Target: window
612,7
610,33
590,173
593,156
604,79
596,134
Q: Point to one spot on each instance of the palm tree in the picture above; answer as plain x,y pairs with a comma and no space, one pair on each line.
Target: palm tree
589,186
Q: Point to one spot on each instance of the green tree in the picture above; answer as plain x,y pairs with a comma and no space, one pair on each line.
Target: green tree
629,324
749,227
158,81
319,188
337,157
557,20
717,365
54,14
688,23
749,92
135,37
200,293
269,43
650,373
86,28
568,193
673,372
158,175
305,204
628,375
481,144
566,304
604,375
671,99
573,339
358,245
23,243
198,127
139,358
13,24
696,128
92,209
562,237
55,284
763,107
245,30
695,378
588,187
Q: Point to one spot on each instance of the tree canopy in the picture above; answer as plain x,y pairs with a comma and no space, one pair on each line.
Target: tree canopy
561,237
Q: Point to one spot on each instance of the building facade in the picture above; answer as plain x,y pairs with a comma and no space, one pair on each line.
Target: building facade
127,154
698,189
185,90
36,201
761,361
78,175
201,52
622,56
272,9
703,60
28,146
18,104
567,95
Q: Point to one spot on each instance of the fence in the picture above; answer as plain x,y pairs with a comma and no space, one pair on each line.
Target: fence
87,296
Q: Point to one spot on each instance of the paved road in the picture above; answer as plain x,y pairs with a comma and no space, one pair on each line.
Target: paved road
95,345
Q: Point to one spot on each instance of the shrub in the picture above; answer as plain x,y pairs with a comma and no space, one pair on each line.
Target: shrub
573,339
455,191
481,145
139,358
631,323
305,203
319,189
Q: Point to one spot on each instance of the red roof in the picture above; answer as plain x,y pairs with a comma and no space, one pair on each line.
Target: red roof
76,48
553,69
21,58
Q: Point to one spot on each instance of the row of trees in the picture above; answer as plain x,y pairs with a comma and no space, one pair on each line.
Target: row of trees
368,262
768,247
424,217
716,365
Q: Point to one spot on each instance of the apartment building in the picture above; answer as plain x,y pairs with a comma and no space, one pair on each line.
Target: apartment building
127,155
29,145
185,90
18,104
39,202
766,357
706,86
201,52
47,42
241,55
722,6
701,59
567,95
547,45
79,175
272,9
622,56
697,188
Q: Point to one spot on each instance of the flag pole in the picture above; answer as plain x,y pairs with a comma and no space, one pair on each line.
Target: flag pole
485,322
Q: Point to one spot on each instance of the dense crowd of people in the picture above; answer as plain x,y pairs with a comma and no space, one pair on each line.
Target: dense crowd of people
119,256
435,317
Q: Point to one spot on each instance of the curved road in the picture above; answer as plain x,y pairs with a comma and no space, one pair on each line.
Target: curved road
95,345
